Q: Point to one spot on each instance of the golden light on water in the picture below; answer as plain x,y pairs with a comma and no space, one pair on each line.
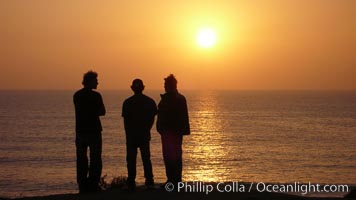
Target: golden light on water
208,145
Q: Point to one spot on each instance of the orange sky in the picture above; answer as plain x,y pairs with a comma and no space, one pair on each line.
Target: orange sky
278,44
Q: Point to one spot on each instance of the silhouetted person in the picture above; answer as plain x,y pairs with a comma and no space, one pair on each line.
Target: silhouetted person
88,107
139,112
172,124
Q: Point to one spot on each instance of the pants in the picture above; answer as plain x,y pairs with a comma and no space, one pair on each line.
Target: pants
131,155
88,175
172,155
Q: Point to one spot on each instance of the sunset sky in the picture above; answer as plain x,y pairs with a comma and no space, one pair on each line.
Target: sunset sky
277,44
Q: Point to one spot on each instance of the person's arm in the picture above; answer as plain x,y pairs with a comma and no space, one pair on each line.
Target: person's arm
101,108
153,113
185,118
124,115
158,122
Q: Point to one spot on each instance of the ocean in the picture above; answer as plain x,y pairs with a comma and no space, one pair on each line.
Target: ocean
244,136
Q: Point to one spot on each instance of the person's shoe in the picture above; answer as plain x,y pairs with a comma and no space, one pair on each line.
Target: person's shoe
97,189
150,184
128,189
131,185
83,188
84,191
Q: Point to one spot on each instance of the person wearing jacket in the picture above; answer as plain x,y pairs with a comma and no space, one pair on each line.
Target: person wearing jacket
172,124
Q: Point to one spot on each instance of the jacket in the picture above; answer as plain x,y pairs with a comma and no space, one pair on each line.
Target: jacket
173,114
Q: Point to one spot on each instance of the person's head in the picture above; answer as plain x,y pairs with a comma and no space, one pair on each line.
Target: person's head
90,80
170,83
137,86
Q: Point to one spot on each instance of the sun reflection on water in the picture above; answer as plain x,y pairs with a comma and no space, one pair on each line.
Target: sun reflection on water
206,149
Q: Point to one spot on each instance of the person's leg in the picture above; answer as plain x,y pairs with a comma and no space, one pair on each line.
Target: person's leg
172,153
168,155
165,150
131,154
178,161
147,165
95,161
82,164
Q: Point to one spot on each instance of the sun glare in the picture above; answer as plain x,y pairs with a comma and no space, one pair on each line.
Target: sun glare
206,38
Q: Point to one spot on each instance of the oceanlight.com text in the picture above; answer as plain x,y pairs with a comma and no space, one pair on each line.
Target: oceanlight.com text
296,187
301,188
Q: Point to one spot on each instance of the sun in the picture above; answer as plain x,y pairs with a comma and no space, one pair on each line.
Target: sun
206,38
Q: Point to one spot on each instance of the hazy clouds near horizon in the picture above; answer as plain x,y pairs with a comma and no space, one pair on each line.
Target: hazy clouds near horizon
260,45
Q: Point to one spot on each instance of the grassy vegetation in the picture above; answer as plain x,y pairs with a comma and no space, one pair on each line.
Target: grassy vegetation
116,183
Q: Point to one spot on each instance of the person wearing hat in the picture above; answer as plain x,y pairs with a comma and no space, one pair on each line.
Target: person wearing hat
138,112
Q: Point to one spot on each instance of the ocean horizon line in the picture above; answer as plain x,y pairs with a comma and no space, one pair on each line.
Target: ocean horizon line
213,90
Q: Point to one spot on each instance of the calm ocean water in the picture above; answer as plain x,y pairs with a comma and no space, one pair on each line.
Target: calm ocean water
251,136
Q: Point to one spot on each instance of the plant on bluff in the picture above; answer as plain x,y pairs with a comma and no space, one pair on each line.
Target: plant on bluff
117,182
